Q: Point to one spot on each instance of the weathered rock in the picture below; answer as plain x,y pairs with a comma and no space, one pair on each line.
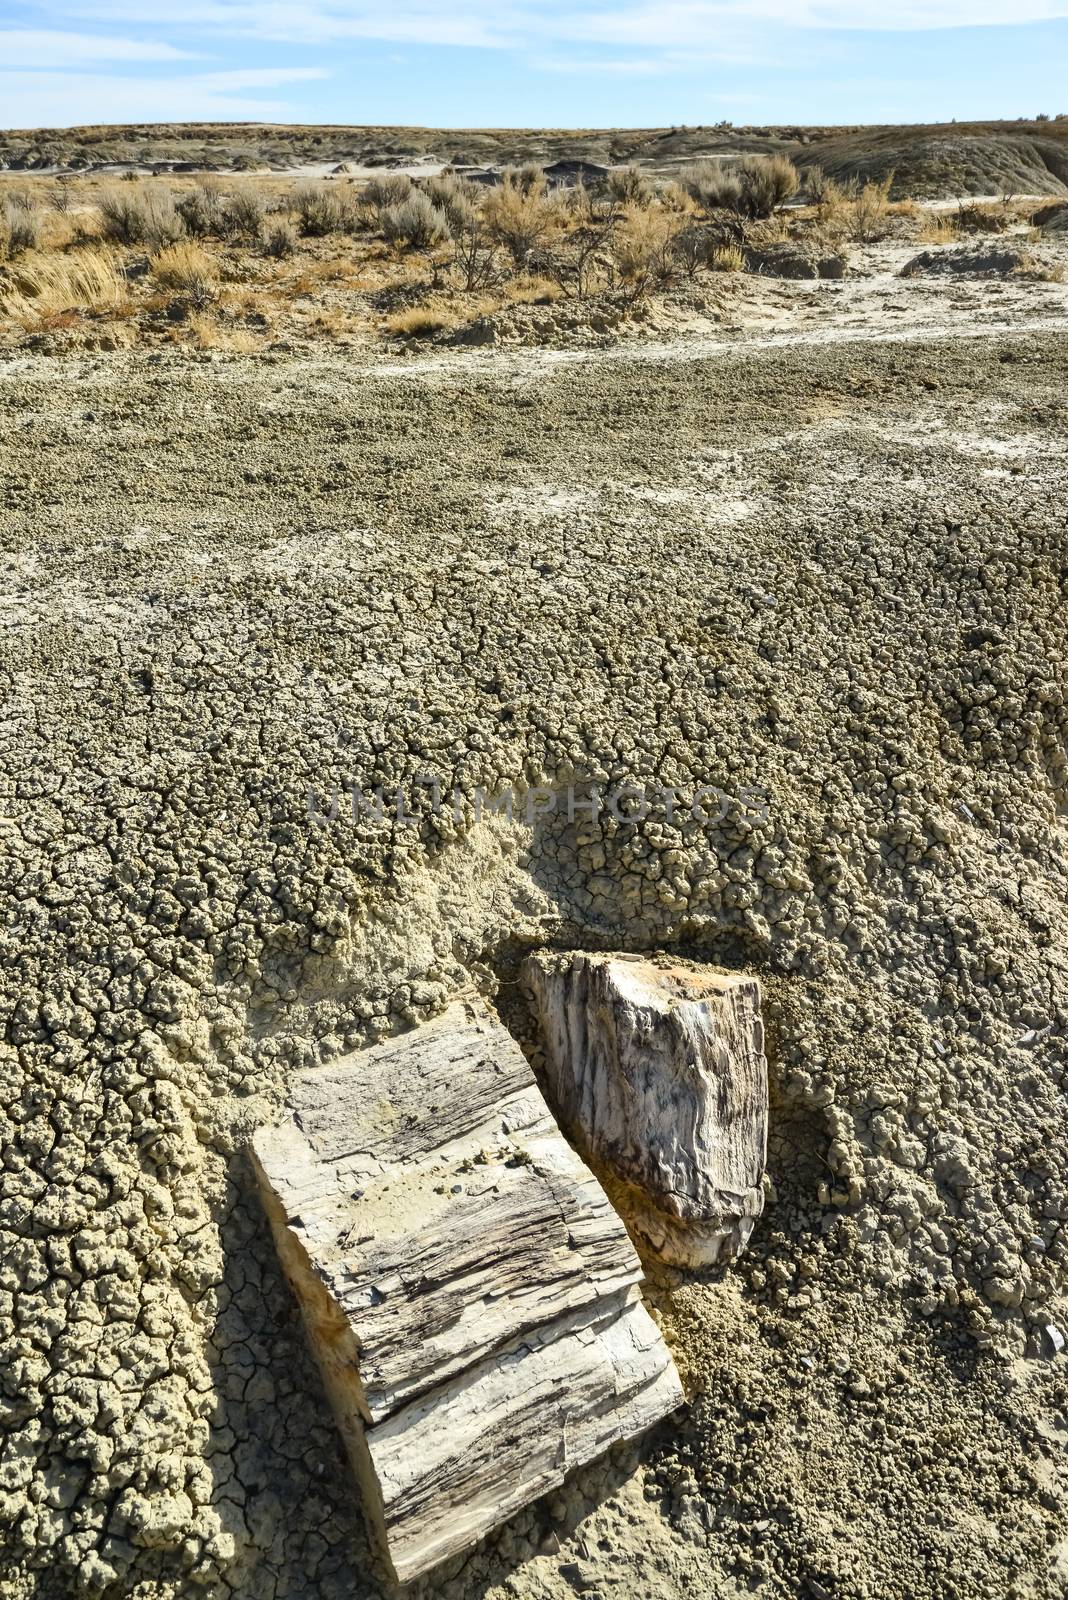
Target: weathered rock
657,1072
791,260
470,1294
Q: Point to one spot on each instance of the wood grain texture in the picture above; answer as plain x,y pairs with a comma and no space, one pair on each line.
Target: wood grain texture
469,1291
657,1072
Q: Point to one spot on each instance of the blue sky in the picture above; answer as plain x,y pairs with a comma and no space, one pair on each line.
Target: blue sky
516,63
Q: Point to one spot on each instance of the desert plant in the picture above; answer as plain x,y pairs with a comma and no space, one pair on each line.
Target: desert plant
187,267
201,211
388,190
642,247
690,248
754,186
727,258
416,221
140,215
20,228
48,285
281,239
244,212
419,322
820,188
62,194
520,216
325,208
459,202
870,208
528,179
630,186
714,185
582,251
767,183
476,252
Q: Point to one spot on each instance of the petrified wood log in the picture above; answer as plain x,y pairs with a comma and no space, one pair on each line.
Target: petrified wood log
656,1070
469,1292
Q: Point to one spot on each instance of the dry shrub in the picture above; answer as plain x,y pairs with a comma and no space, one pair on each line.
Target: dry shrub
767,183
187,267
630,186
415,221
389,190
419,322
528,179
245,212
820,188
754,186
201,210
281,240
62,194
324,208
715,185
642,247
20,227
690,248
531,290
458,201
476,252
207,333
140,214
869,211
46,286
520,214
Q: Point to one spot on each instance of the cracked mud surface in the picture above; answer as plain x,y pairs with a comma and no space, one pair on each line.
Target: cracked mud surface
834,571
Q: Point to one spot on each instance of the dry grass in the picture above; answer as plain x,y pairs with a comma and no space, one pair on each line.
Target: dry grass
727,258
187,267
205,332
420,322
45,286
530,290
939,227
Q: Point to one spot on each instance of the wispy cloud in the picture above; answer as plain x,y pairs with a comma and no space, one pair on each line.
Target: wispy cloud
67,99
645,24
43,47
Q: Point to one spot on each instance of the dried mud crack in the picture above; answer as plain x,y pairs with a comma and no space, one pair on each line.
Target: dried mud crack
834,572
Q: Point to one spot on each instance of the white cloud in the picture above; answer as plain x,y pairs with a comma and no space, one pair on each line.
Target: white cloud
533,24
40,47
71,99
698,23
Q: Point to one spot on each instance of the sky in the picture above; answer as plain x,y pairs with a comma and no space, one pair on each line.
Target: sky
531,63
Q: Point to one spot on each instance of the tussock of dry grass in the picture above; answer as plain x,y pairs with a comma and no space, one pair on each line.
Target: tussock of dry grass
188,267
419,322
939,227
43,286
727,258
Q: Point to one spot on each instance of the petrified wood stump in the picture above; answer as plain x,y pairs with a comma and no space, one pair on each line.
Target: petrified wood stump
657,1073
469,1292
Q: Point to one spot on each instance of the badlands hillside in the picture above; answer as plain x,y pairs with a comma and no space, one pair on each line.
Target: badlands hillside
1029,156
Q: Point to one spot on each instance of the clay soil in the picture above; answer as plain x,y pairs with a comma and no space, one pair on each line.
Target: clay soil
816,547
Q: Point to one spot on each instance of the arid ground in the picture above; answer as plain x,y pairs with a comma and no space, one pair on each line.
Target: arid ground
803,536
